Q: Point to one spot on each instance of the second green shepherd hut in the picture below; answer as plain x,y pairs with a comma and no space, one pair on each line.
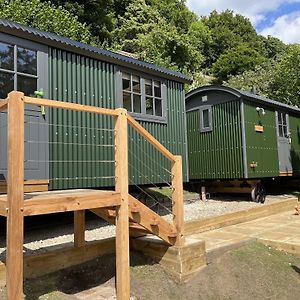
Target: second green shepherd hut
240,139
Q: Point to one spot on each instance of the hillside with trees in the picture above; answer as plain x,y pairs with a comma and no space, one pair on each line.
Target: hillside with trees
223,47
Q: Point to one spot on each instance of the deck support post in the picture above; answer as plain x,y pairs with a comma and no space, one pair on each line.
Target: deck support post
177,199
122,214
79,228
15,197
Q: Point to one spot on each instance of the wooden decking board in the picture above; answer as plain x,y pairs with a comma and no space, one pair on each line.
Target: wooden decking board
60,201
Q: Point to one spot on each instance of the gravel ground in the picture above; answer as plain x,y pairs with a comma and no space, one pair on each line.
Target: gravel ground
61,232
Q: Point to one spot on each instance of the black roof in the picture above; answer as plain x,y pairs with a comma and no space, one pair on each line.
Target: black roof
241,94
61,42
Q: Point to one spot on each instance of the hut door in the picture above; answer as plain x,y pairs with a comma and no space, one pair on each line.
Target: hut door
284,145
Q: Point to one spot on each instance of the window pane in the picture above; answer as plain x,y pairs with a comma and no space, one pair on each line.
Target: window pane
158,107
280,130
127,101
6,84
6,56
136,86
27,85
157,89
285,133
205,118
26,61
149,106
284,119
148,87
279,118
137,104
126,82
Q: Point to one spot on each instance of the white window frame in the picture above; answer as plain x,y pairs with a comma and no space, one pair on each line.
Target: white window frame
201,110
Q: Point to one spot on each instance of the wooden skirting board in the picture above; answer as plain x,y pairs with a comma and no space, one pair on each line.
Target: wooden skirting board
198,226
29,186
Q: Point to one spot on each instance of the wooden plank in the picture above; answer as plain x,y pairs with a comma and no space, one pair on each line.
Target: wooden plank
177,199
3,104
122,220
15,197
79,228
210,223
71,106
47,204
3,207
150,138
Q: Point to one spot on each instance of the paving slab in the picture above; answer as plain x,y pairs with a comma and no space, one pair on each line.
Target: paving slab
281,229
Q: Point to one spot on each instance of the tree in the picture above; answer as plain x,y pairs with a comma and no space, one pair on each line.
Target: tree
261,78
271,47
145,32
286,84
45,16
236,61
228,30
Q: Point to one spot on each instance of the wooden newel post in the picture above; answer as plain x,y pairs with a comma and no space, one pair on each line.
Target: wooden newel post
15,196
122,217
177,199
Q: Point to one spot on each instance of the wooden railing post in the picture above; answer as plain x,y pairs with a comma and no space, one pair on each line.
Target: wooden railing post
15,197
177,199
122,216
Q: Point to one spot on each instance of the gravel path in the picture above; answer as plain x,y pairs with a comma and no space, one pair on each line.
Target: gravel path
42,238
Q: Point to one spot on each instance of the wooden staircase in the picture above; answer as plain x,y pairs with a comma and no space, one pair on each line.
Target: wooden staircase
142,219
117,207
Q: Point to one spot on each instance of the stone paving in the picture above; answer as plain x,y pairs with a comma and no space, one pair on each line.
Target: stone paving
281,231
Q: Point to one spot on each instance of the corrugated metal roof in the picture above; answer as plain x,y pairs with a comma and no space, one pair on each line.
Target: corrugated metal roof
51,39
239,93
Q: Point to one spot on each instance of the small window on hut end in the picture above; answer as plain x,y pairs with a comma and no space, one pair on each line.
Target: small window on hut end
205,118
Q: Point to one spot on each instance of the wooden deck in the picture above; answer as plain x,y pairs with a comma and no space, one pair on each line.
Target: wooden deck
61,201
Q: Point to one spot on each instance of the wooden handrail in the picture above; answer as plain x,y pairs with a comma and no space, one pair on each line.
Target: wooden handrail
71,106
151,139
3,104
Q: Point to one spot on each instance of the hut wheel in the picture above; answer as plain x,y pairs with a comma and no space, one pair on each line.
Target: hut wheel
258,193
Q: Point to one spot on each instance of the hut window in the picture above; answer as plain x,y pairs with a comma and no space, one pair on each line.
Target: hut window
205,118
18,69
143,96
282,121
131,92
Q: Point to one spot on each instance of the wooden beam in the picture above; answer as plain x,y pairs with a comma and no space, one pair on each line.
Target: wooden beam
71,106
3,207
15,197
3,104
177,199
147,218
122,220
47,203
150,138
79,228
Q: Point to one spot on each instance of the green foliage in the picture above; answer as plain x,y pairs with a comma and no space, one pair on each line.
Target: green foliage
143,31
261,78
271,47
228,30
286,83
236,61
45,16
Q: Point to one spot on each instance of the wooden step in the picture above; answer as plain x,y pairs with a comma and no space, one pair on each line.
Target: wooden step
143,220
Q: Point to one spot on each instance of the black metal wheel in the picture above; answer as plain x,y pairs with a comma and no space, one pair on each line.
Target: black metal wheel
258,193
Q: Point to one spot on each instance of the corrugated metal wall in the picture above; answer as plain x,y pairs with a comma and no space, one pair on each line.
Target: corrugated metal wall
216,154
261,146
295,143
75,161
